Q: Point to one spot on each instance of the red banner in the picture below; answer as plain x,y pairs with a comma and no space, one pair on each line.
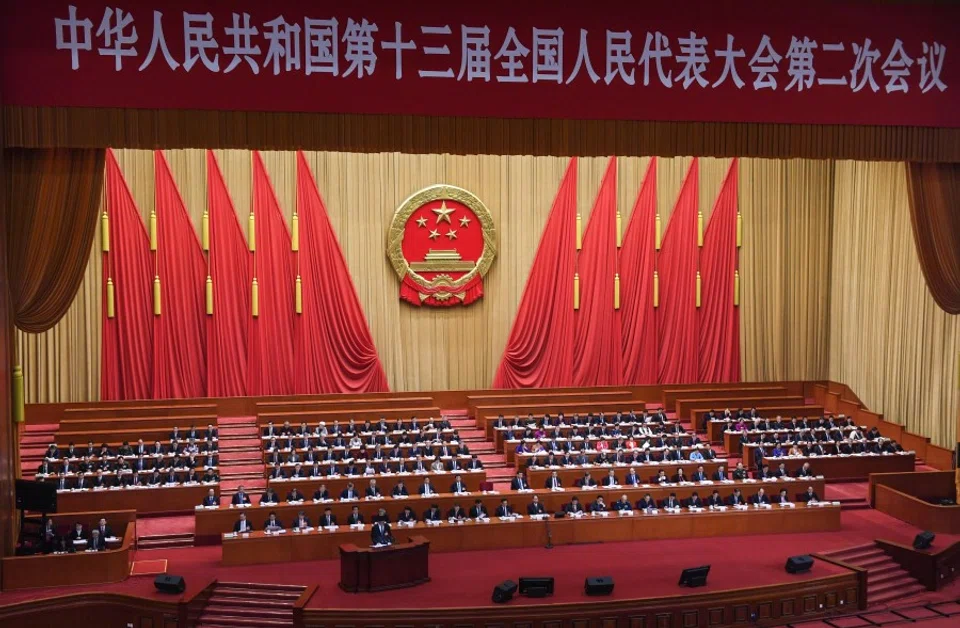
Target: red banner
838,62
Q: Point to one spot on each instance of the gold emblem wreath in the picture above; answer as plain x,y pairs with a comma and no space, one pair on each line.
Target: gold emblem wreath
437,193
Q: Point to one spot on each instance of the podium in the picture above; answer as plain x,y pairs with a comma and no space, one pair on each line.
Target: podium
364,569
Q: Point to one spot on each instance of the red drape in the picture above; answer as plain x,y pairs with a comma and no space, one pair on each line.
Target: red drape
935,215
539,352
127,351
230,273
334,348
677,265
271,333
596,344
719,319
638,329
180,338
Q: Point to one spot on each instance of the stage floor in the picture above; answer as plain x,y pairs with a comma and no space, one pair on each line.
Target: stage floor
466,579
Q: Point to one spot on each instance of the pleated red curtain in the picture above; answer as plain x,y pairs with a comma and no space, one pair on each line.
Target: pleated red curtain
677,265
638,323
935,215
230,276
335,352
270,363
127,351
596,343
719,319
180,331
539,351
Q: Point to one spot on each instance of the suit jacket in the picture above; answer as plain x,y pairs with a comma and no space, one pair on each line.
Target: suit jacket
240,499
98,544
380,533
517,484
236,526
574,507
210,501
631,479
458,487
808,497
427,490
477,511
715,500
719,475
327,520
620,505
535,508
668,503
456,513
504,510
349,494
373,491
276,524
406,516
432,514
354,518
759,499
698,476
610,481
695,502
551,480
735,500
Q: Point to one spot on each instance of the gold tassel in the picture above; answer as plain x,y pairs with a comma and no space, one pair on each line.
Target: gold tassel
739,229
156,295
616,291
17,394
736,288
619,229
656,289
698,288
255,299
153,230
299,296
205,231
657,236
111,311
105,233
576,291
699,228
579,231
209,295
252,232
295,233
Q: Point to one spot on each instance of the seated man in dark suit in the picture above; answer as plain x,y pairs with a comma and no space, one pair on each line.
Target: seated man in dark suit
321,493
574,507
646,503
699,475
670,502
694,501
586,480
380,533
740,473
302,521
272,524
631,479
679,476
426,489
355,518
611,479
719,475
457,513
783,497
240,497
373,490
504,509
736,499
765,473
519,483
97,542
478,510
328,518
400,489
458,486
760,497
349,492
598,505
211,499
806,471
715,499
433,513
407,515
295,496
535,507
78,533
781,471
810,496
381,516
554,481
270,496
242,525
622,504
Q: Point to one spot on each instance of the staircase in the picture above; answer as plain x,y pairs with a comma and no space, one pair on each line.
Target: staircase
886,580
34,440
165,541
495,464
241,460
235,604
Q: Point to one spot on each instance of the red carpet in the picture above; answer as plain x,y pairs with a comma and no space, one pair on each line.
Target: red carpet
234,420
148,567
155,526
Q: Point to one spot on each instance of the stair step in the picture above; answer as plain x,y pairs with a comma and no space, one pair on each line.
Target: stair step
872,562
217,608
234,621
875,581
839,554
165,537
878,572
894,594
165,544
247,587
898,584
234,600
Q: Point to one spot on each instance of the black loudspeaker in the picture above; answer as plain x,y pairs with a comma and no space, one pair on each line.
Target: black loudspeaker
694,576
504,591
799,564
598,585
169,583
924,540
536,587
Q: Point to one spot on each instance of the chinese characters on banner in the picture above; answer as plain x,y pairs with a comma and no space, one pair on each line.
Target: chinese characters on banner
759,61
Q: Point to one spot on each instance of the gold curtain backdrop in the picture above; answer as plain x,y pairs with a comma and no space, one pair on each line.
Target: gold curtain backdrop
789,305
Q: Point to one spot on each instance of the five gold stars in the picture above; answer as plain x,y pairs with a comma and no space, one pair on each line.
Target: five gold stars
443,212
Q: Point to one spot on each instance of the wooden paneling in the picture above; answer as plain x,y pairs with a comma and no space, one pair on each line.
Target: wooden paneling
917,512
921,484
91,609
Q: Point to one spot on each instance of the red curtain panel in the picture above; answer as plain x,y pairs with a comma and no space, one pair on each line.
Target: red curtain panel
127,353
539,351
334,348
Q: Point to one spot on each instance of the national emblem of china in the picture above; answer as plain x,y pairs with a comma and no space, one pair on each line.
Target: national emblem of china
441,243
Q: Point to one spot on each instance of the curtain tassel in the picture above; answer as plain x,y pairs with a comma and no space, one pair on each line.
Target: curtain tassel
17,394
736,288
205,231
576,291
700,229
698,288
739,230
619,229
579,231
295,233
153,230
105,233
657,231
111,310
156,295
255,299
209,295
616,291
299,296
252,232
656,289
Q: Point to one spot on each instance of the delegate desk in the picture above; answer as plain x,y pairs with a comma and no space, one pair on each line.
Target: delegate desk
210,524
440,479
490,413
732,440
344,405
671,395
379,569
499,434
854,466
155,409
258,547
515,397
716,427
570,474
589,445
344,416
143,500
686,407
59,570
523,461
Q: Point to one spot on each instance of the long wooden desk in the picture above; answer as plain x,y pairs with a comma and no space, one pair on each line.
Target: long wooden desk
143,500
517,397
732,440
522,461
209,525
685,407
840,467
510,446
359,415
486,415
148,409
346,405
716,428
260,548
441,481
672,395
498,434
146,422
569,475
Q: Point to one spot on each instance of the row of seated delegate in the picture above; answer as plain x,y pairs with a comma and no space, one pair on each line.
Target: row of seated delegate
602,431
310,453
362,440
66,539
629,418
550,458
838,448
752,420
352,428
287,470
142,464
131,479
126,450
